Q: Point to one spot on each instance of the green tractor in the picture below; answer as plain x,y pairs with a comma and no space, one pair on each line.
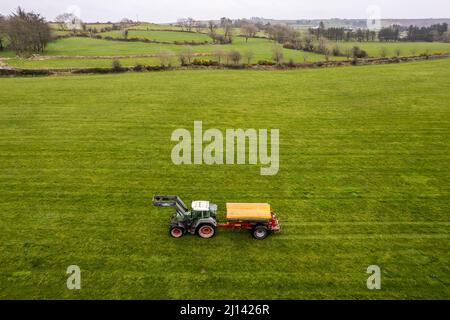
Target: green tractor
200,220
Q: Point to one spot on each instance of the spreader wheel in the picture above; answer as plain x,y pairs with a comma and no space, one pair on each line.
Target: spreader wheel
206,231
260,233
176,232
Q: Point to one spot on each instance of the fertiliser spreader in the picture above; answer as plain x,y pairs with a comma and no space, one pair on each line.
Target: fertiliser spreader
201,219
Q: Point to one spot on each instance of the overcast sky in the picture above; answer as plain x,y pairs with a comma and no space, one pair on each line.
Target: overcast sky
170,10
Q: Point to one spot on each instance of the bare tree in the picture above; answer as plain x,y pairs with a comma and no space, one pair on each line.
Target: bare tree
181,23
220,55
249,56
249,30
212,27
69,21
235,56
186,55
165,57
62,19
190,24
228,32
277,53
187,24
199,26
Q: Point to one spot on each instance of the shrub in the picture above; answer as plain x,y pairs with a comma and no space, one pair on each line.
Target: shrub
220,55
139,67
185,56
357,52
277,54
165,57
235,56
289,45
336,51
249,56
266,63
116,66
206,63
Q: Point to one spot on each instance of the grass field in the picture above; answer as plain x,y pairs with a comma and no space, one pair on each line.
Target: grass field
162,36
84,63
88,47
364,179
406,48
154,26
261,48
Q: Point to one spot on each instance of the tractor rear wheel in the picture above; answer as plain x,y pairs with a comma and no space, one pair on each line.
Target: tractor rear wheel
176,232
260,232
206,231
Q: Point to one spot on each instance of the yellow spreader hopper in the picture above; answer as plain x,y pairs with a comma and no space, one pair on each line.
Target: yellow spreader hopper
248,211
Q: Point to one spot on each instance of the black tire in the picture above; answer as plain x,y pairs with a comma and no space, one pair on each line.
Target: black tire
260,233
206,231
176,232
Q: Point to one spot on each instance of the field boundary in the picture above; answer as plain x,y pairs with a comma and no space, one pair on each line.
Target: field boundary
6,70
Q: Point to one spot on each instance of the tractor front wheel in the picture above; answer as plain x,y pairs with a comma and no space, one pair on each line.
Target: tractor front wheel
260,233
176,232
206,231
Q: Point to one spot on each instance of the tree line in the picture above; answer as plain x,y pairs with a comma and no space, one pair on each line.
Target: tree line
343,34
437,32
24,32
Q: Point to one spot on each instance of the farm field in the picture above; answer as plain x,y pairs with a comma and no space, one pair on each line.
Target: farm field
87,47
164,36
83,63
364,176
406,48
153,26
84,49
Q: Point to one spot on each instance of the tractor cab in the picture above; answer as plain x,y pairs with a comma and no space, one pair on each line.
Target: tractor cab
203,210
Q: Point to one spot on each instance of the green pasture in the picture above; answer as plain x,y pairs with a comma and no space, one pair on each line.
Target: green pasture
375,49
163,36
363,180
262,49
